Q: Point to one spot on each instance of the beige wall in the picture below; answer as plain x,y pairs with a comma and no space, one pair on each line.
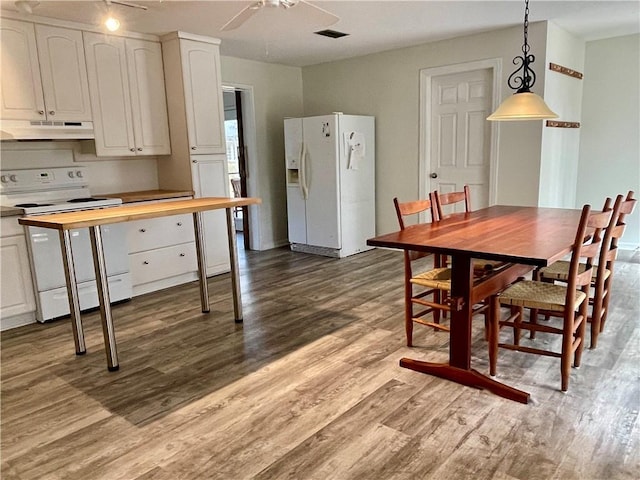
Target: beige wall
386,85
277,92
609,143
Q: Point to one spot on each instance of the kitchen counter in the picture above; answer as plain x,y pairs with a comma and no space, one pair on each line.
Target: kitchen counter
146,195
10,211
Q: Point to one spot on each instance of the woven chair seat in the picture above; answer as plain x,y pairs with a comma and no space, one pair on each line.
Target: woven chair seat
439,278
560,271
539,295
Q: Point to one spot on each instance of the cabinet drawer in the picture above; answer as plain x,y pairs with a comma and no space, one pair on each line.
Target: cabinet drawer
163,263
160,232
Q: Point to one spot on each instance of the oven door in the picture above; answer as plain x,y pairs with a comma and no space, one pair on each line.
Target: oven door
47,256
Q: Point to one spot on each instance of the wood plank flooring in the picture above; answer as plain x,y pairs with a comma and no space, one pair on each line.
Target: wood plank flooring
309,388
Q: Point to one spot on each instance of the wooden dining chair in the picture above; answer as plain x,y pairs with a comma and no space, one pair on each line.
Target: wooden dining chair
427,291
452,200
568,302
603,274
626,208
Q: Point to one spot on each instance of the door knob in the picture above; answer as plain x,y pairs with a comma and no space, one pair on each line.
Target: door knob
434,175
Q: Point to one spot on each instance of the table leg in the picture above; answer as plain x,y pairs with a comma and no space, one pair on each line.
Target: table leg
461,311
72,292
459,367
102,284
235,272
202,261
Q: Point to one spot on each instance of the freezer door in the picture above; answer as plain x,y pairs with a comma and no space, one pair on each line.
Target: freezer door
320,136
296,214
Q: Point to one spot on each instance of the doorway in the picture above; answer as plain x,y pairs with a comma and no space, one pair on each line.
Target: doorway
457,144
234,128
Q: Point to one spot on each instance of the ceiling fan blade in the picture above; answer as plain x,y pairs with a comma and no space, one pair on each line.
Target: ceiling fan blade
317,14
240,18
126,4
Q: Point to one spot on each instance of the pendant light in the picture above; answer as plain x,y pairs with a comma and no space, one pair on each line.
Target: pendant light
524,104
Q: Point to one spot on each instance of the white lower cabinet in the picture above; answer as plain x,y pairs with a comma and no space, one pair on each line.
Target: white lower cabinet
162,253
17,301
210,179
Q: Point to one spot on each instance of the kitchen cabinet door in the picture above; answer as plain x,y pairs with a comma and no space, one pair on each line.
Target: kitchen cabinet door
203,96
148,99
21,95
15,277
64,74
210,179
109,93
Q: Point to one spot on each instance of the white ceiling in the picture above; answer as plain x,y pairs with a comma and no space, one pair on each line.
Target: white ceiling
286,36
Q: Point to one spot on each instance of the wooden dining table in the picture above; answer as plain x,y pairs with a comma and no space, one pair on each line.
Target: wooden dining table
524,237
93,219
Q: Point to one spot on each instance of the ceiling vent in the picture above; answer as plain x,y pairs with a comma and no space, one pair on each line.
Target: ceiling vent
331,33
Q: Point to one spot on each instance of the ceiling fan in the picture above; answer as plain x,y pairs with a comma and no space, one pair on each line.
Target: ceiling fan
311,11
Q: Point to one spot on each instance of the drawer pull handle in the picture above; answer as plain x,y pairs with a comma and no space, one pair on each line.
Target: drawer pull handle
143,230
182,254
139,149
194,148
51,112
145,263
179,224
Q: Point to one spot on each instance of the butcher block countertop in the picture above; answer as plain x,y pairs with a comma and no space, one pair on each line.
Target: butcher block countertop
146,195
127,213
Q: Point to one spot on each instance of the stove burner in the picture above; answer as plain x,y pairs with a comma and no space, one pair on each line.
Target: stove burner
84,200
32,205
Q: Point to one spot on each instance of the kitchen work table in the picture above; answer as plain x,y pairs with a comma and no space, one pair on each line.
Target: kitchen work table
526,237
93,219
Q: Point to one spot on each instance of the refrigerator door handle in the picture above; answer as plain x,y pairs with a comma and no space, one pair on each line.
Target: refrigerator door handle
303,175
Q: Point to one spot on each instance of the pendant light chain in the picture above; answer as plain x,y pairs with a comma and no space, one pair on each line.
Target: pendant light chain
525,47
523,82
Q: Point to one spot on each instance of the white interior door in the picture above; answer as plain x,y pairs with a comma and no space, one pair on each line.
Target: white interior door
460,136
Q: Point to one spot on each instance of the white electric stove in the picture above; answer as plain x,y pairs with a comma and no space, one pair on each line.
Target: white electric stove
55,190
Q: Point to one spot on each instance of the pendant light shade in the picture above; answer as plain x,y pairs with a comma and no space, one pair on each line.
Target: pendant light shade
524,104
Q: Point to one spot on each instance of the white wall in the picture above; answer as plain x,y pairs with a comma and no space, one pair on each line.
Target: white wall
386,85
609,143
277,91
563,94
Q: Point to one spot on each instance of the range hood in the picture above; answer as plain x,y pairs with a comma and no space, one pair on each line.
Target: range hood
45,130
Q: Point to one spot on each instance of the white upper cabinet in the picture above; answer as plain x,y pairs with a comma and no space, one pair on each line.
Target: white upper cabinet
205,120
148,99
126,85
43,73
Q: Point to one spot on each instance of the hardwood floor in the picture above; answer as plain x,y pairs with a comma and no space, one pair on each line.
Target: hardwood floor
309,388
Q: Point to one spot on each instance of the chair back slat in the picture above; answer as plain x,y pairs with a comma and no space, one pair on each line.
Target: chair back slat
406,209
626,208
451,198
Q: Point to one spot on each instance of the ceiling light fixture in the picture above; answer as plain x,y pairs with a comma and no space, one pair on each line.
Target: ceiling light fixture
112,23
524,104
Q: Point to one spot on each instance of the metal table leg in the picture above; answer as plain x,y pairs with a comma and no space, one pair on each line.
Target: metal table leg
103,296
72,292
235,272
202,261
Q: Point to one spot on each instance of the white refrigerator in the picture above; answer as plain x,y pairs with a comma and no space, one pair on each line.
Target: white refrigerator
330,169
